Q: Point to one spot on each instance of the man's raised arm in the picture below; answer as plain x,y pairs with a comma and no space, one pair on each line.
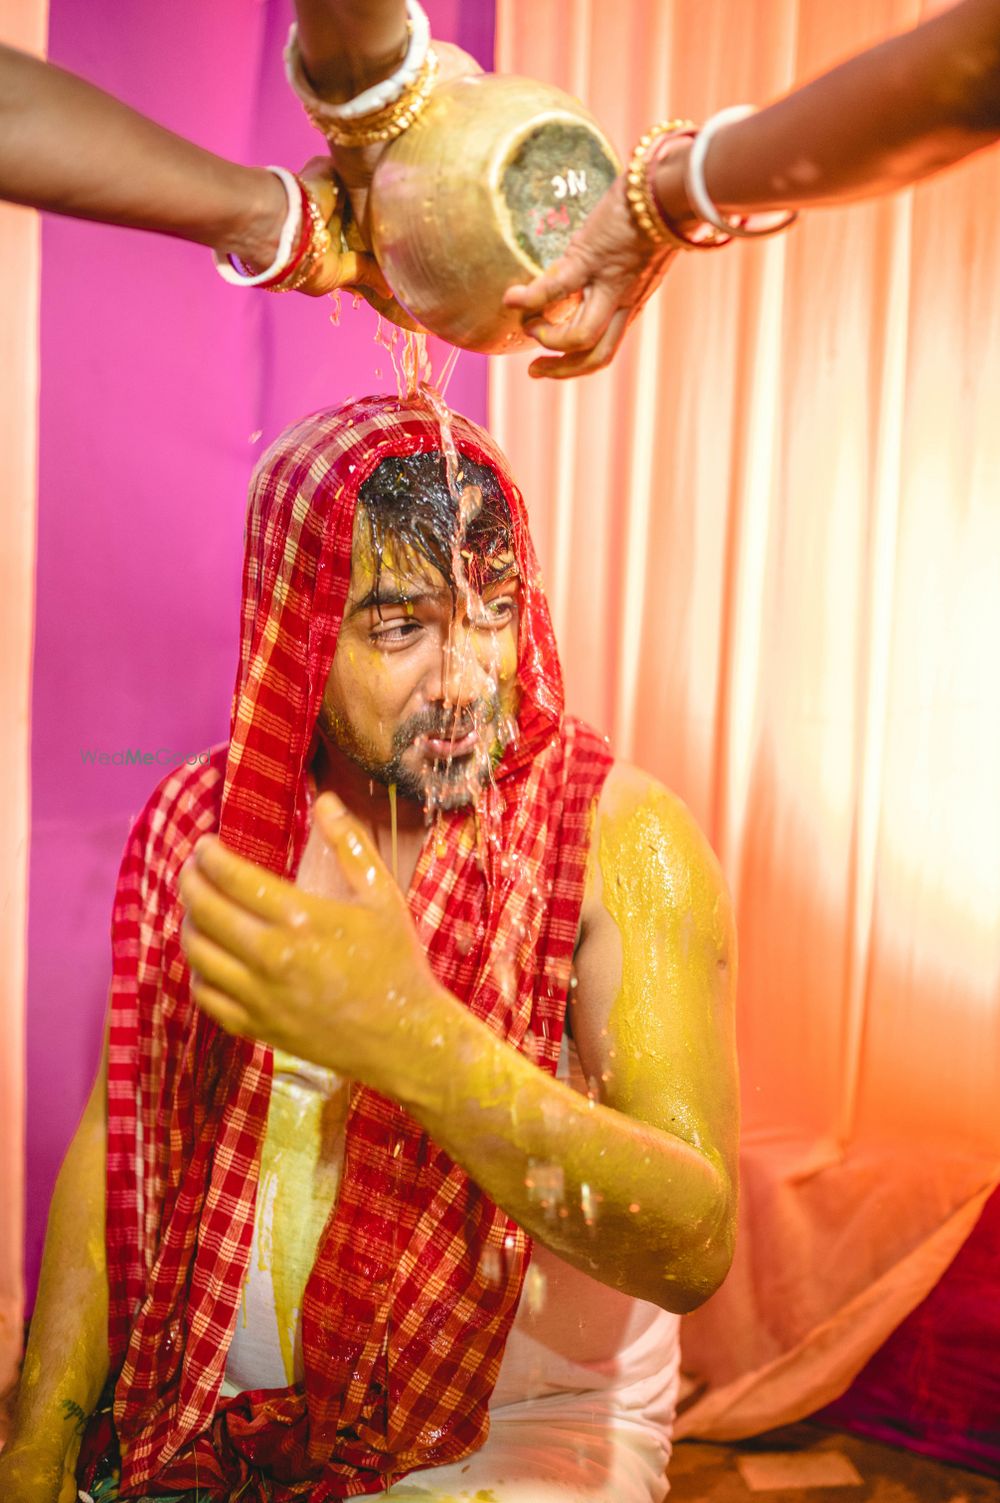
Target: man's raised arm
66,1363
635,1184
646,1168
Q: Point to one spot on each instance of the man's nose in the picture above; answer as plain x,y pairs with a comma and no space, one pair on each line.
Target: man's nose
465,677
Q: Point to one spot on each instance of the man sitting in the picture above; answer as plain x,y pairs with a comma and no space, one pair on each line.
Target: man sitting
419,1216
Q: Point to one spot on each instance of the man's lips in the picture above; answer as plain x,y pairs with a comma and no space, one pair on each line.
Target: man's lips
446,746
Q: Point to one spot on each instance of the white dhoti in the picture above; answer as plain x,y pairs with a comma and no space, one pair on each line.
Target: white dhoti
584,1403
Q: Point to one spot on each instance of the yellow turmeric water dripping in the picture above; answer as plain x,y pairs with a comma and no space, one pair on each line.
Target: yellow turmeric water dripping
299,1179
395,832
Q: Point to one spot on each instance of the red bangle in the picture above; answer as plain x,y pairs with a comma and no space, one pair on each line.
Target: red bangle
301,249
710,239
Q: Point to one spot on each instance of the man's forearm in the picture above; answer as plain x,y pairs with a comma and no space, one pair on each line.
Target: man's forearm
68,147
66,1362
638,1208
348,45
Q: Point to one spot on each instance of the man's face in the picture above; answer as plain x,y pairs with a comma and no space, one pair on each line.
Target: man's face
423,686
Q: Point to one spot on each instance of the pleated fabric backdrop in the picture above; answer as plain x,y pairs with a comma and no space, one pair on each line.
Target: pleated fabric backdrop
771,537
770,534
22,24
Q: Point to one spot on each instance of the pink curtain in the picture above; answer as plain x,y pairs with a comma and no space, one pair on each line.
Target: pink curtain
22,24
771,537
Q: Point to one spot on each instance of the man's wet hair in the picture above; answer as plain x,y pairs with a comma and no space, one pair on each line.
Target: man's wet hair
410,511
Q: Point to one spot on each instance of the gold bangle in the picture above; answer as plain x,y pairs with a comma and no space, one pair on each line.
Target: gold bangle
320,242
639,192
388,123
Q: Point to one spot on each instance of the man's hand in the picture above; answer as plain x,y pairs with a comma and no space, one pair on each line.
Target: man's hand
611,268
338,983
29,1474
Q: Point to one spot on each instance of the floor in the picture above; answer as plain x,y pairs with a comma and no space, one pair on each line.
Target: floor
811,1464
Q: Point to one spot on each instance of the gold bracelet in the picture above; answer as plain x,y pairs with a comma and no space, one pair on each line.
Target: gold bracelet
639,192
320,242
385,124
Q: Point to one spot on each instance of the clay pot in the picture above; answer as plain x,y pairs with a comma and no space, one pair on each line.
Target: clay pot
482,191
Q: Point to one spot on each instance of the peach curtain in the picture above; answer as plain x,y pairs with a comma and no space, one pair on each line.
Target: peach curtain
22,24
771,536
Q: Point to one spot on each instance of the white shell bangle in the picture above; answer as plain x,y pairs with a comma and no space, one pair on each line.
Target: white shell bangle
380,95
698,195
286,240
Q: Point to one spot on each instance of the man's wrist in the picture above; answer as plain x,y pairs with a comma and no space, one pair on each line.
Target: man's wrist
44,1448
50,1425
421,1071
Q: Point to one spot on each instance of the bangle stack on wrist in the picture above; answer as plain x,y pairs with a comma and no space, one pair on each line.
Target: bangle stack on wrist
304,240
716,229
701,200
385,110
388,123
646,213
314,244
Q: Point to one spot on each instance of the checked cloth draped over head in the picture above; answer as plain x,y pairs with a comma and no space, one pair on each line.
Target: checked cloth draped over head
418,1273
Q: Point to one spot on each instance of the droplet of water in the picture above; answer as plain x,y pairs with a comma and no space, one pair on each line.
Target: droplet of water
490,1265
534,1289
548,1185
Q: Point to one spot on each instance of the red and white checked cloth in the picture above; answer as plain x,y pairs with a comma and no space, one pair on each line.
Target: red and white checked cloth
418,1273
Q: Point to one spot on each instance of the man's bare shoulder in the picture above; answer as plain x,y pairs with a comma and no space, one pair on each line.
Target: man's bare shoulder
645,825
652,1013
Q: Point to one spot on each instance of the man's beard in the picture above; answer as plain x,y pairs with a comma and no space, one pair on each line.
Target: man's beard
441,783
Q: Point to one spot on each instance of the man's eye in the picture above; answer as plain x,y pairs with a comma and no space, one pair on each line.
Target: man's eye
498,611
389,633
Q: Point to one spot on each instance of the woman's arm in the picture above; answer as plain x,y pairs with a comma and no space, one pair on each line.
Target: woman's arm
880,121
348,45
345,47
69,148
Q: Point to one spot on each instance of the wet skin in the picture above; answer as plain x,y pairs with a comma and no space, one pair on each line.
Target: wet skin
420,686
332,971
649,1163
